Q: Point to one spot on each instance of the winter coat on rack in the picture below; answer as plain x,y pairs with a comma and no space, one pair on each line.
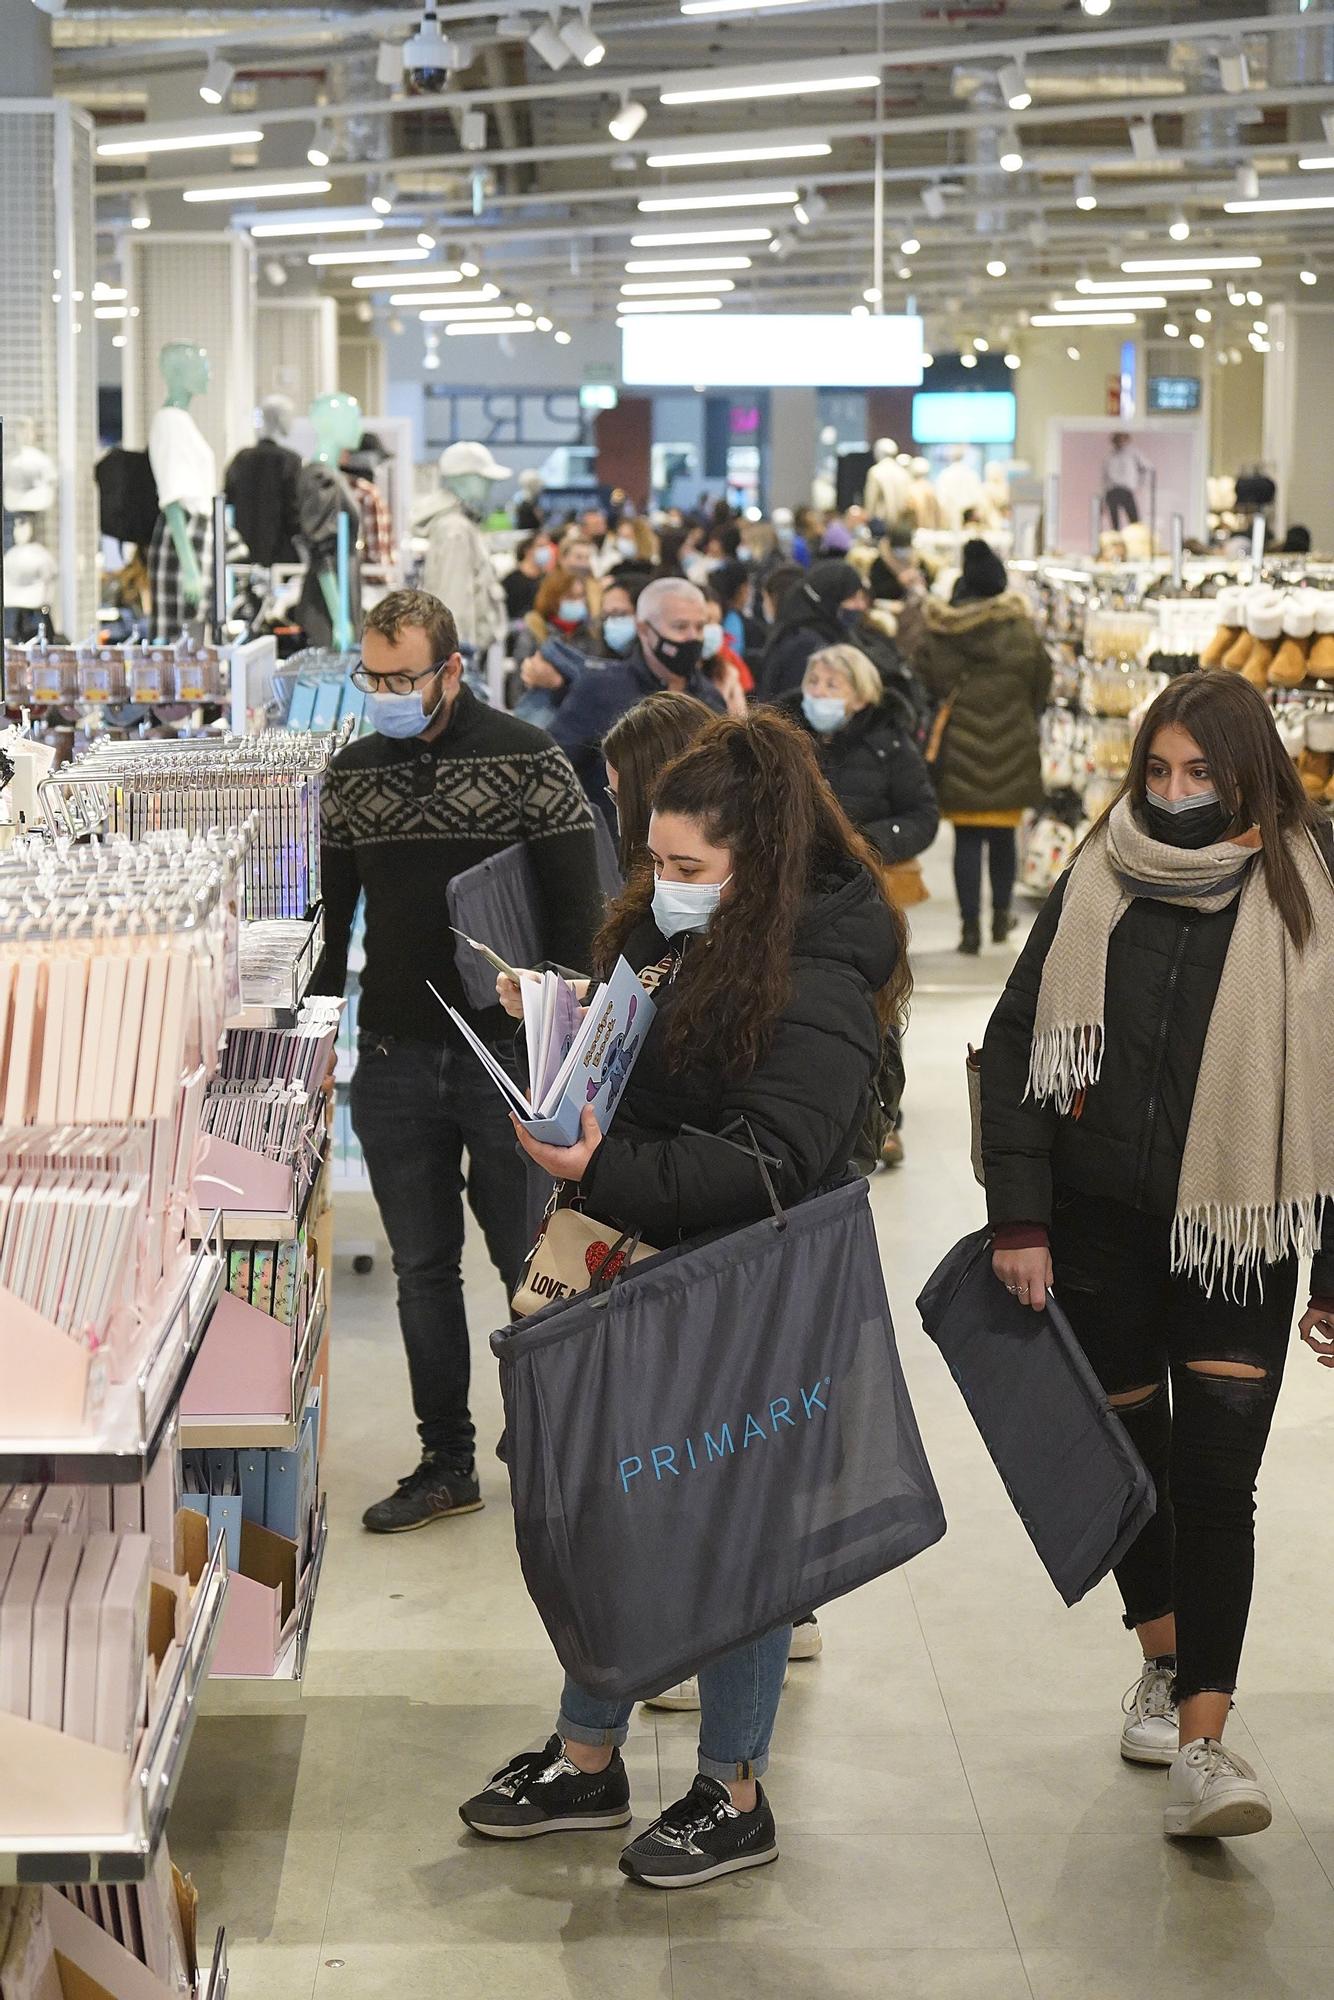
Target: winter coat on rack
1126,1140
987,654
804,1101
878,777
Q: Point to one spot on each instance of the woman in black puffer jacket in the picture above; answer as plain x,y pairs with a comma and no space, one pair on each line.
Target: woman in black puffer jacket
874,768
775,962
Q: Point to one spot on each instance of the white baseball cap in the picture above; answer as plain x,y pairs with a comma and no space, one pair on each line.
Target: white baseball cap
465,457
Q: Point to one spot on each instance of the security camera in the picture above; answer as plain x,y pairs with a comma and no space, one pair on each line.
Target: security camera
429,57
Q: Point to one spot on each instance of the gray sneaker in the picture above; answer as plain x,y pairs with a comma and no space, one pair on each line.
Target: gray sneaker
1150,1732
431,1493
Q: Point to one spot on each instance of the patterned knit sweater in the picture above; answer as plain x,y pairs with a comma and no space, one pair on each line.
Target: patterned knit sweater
401,818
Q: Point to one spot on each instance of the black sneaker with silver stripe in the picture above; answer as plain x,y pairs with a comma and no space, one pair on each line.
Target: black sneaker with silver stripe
541,1791
701,1837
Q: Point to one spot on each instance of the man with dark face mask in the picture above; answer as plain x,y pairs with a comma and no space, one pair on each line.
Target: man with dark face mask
669,642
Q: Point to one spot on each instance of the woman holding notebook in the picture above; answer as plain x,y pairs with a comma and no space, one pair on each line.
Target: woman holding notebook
775,962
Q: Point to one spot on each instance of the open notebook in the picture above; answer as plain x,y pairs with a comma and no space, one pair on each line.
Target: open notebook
573,1059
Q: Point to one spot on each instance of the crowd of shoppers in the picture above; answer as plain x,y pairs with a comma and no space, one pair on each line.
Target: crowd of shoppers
773,734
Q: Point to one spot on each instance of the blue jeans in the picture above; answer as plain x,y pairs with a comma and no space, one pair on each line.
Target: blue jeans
416,1108
738,1699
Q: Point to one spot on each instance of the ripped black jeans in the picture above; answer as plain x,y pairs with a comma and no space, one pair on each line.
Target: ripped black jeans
1141,1327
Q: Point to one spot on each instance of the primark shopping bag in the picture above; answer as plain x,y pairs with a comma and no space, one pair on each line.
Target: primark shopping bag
717,1445
1077,1482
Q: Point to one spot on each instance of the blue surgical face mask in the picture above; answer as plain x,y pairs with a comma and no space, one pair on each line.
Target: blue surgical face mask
824,712
619,631
712,639
686,906
400,714
571,610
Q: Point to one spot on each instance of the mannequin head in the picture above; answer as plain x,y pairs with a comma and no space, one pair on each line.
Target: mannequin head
275,417
921,468
184,370
530,484
469,471
338,426
886,448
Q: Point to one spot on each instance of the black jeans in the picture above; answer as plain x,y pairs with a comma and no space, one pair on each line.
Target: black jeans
1121,505
1141,1327
416,1107
969,842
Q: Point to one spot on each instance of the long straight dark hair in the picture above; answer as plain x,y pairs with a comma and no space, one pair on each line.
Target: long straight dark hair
1253,775
754,785
639,747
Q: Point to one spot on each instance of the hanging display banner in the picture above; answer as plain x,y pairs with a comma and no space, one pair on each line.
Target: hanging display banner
772,351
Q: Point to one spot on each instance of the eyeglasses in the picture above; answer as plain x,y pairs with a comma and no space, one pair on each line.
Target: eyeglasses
370,683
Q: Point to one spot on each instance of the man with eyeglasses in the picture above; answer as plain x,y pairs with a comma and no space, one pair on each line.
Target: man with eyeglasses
441,783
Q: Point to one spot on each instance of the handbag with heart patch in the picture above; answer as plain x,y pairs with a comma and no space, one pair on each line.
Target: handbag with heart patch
574,1253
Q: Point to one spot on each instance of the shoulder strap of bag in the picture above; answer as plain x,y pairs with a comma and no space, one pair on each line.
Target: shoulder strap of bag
935,742
762,1160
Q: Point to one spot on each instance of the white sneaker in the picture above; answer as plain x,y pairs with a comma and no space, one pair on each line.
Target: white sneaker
685,1695
1212,1794
1150,1732
806,1641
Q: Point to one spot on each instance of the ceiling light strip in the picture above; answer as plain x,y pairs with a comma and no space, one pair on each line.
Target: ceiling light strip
183,141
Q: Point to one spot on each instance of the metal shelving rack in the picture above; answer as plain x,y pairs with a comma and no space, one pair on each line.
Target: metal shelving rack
136,1415
125,1853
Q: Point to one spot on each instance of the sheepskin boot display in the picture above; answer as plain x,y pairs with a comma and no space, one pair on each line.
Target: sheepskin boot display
1320,661
1315,768
1288,667
1265,623
1231,624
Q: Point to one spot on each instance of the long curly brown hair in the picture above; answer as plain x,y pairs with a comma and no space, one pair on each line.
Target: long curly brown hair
754,786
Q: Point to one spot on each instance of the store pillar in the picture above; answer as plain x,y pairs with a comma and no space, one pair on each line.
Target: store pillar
201,288
48,368
792,425
296,349
1298,370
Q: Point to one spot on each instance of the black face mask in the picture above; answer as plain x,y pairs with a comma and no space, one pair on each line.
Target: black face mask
677,656
1193,822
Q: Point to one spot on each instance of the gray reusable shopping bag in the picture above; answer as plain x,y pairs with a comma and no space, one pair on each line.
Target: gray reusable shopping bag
496,902
717,1445
1076,1481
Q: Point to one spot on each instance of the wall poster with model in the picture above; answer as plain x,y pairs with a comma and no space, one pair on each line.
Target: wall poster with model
1135,474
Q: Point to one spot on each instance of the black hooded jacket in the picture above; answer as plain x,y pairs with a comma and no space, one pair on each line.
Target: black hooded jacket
876,773
804,1101
808,621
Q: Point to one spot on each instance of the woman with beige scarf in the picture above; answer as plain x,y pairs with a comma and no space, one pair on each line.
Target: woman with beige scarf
1158,1136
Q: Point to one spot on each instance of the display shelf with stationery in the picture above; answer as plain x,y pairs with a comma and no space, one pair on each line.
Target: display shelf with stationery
155,1036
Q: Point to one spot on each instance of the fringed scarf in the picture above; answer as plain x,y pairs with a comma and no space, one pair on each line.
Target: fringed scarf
1258,1166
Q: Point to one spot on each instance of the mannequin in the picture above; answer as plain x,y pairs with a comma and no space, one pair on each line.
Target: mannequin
995,494
530,514
30,475
322,494
925,506
458,566
889,484
261,485
958,487
30,571
187,479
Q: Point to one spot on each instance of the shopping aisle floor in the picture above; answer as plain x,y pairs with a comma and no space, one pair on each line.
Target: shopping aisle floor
956,1823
